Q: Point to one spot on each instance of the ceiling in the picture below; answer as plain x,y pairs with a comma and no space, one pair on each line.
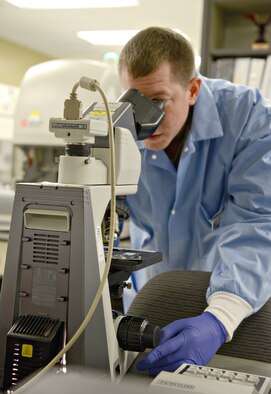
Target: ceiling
53,33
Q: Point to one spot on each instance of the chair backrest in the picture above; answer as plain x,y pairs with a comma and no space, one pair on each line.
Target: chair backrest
180,294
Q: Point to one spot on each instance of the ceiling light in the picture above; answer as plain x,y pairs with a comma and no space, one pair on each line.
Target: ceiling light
109,37
68,4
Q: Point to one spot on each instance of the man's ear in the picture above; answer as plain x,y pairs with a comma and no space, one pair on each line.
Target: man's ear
194,88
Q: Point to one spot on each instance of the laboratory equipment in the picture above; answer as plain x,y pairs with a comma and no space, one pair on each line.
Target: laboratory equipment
56,257
32,149
43,90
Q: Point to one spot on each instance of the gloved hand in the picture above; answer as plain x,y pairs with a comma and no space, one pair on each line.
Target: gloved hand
194,340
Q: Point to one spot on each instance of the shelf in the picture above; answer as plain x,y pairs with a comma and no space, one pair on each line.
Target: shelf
259,6
228,33
233,52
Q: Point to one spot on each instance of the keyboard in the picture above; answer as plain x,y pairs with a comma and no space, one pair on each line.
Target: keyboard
208,380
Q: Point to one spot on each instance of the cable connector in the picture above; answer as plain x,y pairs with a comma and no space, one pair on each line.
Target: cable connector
72,108
88,83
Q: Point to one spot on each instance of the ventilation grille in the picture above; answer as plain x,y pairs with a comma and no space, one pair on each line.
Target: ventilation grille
46,248
35,325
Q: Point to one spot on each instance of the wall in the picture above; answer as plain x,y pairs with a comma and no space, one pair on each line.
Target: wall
15,60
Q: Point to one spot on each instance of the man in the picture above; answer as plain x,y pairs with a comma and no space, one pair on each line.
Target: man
204,195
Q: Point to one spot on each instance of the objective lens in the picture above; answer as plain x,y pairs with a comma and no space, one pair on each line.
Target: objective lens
77,150
137,334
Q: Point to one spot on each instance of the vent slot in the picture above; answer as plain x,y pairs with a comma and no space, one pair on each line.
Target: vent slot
45,248
35,325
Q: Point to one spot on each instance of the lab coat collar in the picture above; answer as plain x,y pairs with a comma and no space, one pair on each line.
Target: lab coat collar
206,123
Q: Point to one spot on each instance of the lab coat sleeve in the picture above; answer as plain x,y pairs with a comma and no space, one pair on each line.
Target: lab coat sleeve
242,251
230,309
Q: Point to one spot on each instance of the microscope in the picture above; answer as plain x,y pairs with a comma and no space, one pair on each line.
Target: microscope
59,239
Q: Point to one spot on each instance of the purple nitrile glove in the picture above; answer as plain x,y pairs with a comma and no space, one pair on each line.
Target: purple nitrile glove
194,340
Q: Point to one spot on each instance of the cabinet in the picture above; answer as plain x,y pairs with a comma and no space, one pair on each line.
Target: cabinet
228,34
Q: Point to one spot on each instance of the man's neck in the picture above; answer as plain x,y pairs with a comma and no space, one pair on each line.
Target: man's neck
174,149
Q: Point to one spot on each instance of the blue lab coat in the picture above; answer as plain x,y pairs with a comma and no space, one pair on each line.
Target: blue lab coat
214,212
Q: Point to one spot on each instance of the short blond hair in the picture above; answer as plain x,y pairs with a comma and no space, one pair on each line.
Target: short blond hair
150,47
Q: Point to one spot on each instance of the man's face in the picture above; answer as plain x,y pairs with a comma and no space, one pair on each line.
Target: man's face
161,85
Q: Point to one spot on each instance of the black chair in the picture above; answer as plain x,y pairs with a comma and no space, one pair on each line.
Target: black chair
180,294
